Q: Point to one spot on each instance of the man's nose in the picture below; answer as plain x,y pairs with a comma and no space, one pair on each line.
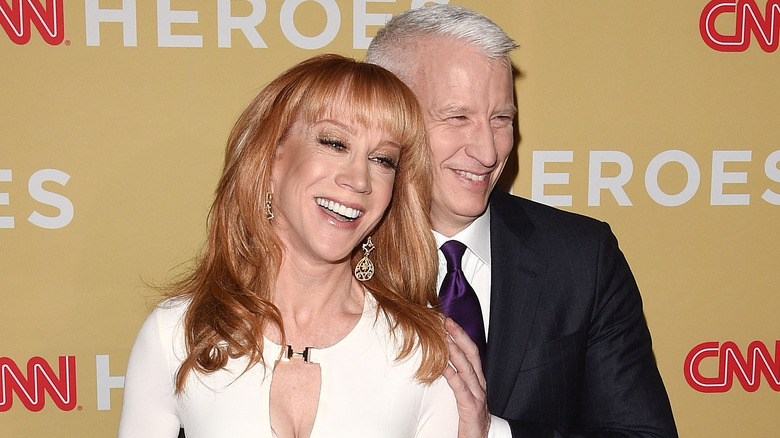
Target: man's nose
482,144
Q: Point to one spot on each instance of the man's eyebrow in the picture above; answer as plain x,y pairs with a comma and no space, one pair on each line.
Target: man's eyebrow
452,108
509,109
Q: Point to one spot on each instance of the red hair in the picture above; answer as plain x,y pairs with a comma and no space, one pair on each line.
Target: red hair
231,286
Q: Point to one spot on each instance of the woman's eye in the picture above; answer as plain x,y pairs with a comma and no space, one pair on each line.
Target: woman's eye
336,144
388,162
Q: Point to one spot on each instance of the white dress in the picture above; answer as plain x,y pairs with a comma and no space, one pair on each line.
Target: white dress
364,392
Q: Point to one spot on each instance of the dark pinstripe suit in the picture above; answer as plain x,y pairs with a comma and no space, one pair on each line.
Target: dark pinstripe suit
569,351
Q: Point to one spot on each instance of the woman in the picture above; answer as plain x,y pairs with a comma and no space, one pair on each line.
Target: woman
326,175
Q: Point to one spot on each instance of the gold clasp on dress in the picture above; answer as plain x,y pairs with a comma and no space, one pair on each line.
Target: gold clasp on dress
289,353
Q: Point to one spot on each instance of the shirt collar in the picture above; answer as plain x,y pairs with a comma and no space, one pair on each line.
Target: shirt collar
476,237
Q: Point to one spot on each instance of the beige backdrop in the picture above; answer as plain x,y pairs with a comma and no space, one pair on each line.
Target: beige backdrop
113,122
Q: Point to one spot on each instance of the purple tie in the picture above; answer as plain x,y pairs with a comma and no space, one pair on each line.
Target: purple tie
458,300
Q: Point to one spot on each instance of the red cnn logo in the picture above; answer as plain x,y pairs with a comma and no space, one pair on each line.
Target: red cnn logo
16,20
40,379
748,368
748,19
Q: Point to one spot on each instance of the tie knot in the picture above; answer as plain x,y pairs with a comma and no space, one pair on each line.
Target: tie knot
453,253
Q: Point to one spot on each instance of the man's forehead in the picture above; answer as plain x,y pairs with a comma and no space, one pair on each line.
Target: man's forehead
455,88
435,56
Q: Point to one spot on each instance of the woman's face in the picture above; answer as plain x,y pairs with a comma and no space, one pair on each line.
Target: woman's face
332,182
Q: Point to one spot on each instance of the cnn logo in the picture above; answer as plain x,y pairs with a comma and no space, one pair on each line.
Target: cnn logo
40,380
747,19
17,20
731,362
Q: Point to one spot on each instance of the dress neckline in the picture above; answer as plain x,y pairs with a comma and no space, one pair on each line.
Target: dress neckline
319,354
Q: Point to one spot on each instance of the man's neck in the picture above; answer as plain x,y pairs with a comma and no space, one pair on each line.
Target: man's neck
450,228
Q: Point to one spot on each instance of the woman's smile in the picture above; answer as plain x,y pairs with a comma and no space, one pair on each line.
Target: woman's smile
339,211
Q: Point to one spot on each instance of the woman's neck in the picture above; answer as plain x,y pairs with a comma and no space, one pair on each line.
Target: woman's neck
319,304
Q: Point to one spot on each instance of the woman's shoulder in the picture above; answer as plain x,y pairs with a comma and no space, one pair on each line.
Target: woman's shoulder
165,323
170,313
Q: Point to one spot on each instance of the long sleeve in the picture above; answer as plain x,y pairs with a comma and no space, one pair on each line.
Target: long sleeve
622,394
149,408
571,352
623,388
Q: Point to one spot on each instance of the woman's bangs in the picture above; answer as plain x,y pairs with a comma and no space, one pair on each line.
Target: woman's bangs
373,102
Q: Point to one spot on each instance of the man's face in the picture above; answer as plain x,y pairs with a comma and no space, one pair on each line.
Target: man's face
469,107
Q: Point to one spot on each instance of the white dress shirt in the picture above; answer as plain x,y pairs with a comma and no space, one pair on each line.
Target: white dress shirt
476,267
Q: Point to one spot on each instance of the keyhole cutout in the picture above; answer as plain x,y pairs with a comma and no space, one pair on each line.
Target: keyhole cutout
294,398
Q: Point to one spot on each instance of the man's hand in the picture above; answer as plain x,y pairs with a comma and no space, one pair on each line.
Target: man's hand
465,377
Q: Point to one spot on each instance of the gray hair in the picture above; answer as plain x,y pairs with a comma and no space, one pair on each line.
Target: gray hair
392,45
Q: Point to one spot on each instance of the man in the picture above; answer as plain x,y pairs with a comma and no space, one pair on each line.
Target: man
568,351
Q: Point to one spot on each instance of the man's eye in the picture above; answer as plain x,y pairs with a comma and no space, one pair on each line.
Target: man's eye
502,121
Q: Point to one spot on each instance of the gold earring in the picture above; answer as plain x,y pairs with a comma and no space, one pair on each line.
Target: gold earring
364,269
268,209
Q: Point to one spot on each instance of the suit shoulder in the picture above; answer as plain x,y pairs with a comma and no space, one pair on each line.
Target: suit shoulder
515,209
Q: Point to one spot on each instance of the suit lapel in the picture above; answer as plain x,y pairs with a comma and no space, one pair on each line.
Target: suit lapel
517,274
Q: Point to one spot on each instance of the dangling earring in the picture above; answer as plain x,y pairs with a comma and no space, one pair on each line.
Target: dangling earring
364,269
268,210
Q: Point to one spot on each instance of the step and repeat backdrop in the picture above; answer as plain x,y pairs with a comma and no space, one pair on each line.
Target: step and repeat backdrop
661,118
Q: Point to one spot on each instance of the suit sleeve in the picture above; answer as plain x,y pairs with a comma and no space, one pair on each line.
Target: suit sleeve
149,408
623,394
